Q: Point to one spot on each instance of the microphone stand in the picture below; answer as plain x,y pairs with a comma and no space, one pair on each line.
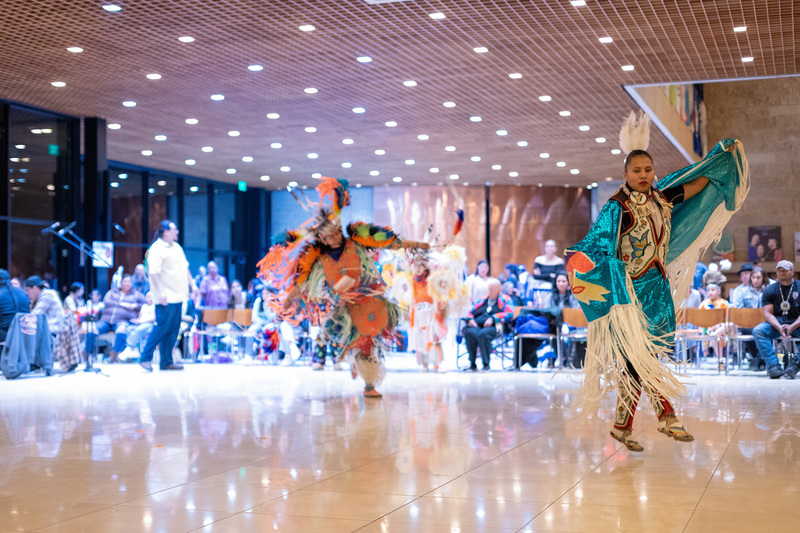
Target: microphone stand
67,235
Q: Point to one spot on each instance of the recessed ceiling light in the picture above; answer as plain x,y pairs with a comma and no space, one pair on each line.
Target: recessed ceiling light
584,128
312,155
747,59
147,152
544,155
410,83
627,68
423,137
434,170
374,173
161,137
347,164
311,129
600,140
19,146
564,113
112,8
594,184
449,104
522,144
450,148
497,167
475,118
264,178
153,76
359,110
409,161
234,133
437,16
397,179
380,152
114,184
358,185
739,29
502,133
475,158
310,90
247,159
207,149
578,3
273,116
515,75
606,40
364,59
275,145
255,68
453,176
286,169
616,151
588,186
608,178
561,164
192,121
540,185
347,141
545,98
231,171
480,49
390,124
292,184
58,83
186,39
114,126
190,162
194,188
151,190
316,175
306,27
129,103
574,171
513,174
75,49
218,97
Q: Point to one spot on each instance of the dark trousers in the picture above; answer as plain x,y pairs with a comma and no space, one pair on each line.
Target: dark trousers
164,334
479,337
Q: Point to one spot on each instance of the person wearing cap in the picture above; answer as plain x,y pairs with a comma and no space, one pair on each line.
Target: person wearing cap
744,280
13,300
782,314
46,302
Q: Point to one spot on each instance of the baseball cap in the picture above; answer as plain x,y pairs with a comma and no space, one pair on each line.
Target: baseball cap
786,265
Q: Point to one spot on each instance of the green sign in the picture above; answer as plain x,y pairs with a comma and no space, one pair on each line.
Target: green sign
52,149
243,186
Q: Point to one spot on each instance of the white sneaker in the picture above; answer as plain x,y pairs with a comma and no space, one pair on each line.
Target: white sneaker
128,353
317,366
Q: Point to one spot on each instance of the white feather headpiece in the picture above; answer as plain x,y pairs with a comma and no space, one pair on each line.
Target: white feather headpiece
635,135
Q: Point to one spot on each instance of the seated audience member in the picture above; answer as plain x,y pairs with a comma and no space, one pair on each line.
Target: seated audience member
138,329
13,300
714,276
239,298
749,297
201,274
782,319
511,292
46,302
214,289
744,281
524,285
120,307
715,301
478,283
16,282
68,350
560,298
482,325
545,267
74,300
140,281
510,274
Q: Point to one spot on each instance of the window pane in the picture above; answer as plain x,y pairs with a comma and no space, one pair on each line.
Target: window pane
38,144
161,188
31,252
126,206
194,232
224,215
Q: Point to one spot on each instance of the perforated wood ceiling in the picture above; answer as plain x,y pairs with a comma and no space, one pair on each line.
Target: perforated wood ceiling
552,44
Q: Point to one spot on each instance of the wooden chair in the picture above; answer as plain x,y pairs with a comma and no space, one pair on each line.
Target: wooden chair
743,318
243,317
702,318
576,319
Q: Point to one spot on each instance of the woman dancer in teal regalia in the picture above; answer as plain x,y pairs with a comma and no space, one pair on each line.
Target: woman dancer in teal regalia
646,238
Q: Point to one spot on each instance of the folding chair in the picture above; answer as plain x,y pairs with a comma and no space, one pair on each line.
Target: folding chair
576,319
743,318
213,318
702,318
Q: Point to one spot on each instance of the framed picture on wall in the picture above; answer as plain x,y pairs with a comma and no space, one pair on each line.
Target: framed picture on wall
797,246
764,244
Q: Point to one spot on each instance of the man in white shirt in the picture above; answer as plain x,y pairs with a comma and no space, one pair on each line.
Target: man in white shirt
170,280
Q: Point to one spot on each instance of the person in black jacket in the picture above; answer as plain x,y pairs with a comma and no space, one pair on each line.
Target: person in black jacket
13,300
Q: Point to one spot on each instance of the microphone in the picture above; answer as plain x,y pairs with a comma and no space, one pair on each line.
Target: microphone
50,228
66,228
119,228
